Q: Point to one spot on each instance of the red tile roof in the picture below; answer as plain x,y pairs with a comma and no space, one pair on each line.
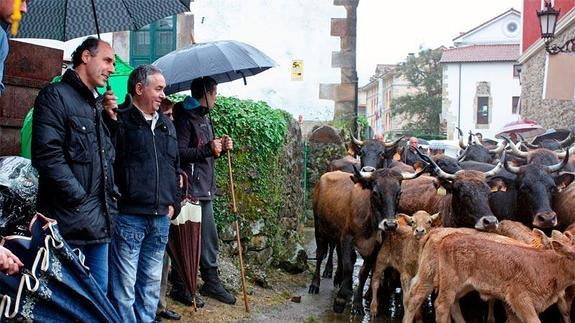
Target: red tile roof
481,53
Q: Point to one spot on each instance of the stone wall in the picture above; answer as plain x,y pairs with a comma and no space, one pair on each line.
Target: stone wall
549,113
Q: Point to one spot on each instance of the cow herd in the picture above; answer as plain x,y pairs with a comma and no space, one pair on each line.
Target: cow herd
496,221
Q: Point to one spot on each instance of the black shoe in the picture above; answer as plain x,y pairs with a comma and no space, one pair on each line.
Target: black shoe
184,298
199,301
215,290
169,315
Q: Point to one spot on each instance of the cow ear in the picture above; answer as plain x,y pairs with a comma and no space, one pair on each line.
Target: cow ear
364,182
447,185
564,180
434,218
402,219
545,241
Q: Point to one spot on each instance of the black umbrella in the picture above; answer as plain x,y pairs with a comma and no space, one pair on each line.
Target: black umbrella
552,134
68,19
224,61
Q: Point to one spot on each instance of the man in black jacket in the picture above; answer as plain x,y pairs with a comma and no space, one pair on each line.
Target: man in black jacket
198,148
146,173
72,151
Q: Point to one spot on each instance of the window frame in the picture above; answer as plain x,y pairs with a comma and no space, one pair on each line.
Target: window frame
152,29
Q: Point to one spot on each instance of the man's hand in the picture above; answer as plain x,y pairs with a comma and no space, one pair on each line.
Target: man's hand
227,143
110,104
216,146
170,212
9,263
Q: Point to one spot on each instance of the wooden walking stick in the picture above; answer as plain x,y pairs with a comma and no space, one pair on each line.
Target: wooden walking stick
235,211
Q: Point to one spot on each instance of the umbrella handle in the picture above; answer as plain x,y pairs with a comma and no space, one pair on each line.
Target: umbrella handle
243,76
127,101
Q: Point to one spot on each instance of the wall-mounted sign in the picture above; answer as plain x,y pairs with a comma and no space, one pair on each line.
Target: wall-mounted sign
297,70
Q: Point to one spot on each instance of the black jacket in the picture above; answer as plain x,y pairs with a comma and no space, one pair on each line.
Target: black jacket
72,151
146,164
195,134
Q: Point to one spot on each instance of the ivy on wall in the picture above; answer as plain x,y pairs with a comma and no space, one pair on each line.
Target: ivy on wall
258,132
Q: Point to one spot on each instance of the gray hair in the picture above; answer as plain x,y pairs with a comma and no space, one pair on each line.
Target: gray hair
141,74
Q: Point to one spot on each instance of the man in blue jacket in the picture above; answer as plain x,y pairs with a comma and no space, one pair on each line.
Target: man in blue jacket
146,174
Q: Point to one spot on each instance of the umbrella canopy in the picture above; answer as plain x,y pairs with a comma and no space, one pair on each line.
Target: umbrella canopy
54,285
65,19
524,127
224,61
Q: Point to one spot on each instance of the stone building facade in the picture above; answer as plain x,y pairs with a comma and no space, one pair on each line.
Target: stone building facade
550,113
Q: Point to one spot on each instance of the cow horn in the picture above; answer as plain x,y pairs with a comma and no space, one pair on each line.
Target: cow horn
463,155
394,143
356,141
461,143
514,149
558,166
406,175
567,141
500,147
497,168
531,146
510,168
563,153
438,170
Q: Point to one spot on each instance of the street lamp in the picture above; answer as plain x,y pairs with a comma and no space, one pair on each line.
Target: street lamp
548,21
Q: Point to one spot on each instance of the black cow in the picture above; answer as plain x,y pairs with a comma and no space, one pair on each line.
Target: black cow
374,153
476,151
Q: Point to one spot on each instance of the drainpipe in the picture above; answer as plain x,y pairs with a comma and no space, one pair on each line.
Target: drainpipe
459,99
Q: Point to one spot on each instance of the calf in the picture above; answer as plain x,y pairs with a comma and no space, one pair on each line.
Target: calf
529,280
400,250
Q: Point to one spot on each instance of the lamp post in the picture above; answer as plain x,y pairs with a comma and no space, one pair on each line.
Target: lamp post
548,22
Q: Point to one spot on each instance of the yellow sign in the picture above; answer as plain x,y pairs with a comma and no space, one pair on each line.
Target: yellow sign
297,70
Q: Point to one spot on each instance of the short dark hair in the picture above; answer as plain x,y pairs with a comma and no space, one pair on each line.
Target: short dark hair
141,74
90,44
201,85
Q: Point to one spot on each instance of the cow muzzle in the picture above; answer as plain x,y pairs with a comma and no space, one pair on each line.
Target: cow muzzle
419,232
388,225
487,223
547,219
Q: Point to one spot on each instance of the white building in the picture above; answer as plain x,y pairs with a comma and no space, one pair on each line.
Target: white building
284,30
481,87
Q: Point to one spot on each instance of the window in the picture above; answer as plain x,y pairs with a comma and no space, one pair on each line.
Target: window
483,110
515,105
153,41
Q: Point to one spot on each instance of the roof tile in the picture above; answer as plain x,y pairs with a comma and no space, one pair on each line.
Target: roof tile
482,53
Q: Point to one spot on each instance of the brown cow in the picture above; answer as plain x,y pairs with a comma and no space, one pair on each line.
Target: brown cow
349,214
529,280
400,250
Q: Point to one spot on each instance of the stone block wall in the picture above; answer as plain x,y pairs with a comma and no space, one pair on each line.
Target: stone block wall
549,113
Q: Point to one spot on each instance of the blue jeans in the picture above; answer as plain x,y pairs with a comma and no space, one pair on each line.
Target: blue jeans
136,254
97,260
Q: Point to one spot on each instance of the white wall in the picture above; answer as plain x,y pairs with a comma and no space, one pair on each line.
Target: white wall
503,87
265,25
496,32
